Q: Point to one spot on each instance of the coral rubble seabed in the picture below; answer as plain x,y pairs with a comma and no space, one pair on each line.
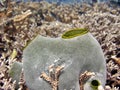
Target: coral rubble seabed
20,23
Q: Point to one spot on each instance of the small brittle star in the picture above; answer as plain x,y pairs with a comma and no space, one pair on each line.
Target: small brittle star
53,77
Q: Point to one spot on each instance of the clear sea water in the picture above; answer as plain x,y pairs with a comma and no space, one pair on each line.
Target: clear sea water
75,1
117,2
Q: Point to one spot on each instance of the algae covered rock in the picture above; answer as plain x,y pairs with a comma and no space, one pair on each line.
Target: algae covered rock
77,51
15,71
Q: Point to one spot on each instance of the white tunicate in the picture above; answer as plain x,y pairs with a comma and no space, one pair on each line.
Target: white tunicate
76,55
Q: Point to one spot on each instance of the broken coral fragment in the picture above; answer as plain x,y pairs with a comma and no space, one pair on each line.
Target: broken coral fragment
53,77
21,17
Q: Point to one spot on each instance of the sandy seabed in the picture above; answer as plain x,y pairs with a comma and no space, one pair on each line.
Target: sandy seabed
22,22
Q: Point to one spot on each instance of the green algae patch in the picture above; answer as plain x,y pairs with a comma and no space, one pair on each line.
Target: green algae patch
74,33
